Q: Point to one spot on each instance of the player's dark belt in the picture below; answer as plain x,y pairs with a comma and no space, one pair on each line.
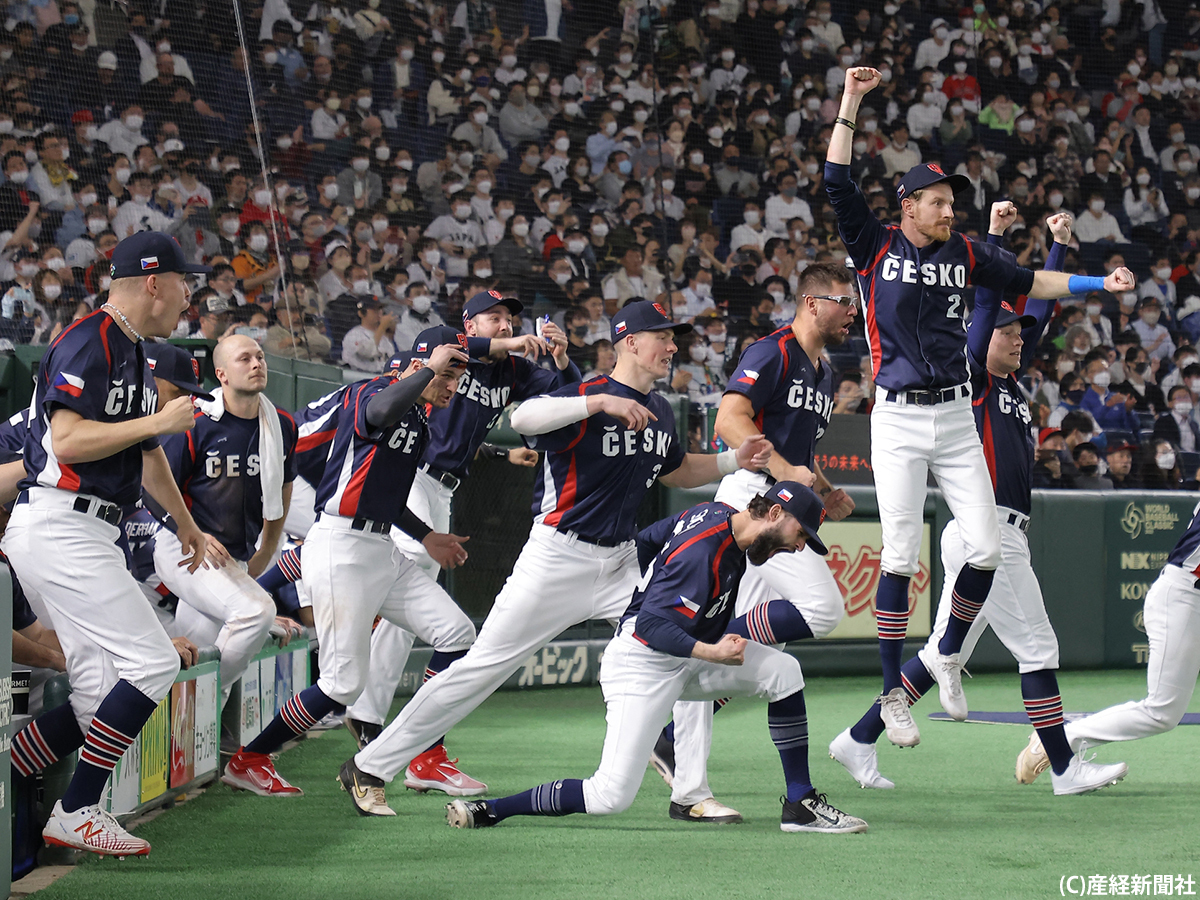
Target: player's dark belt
370,526
1020,520
105,512
928,398
445,479
583,538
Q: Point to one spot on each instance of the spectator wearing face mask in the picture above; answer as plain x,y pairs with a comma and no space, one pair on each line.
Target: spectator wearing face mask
256,266
751,233
1160,468
1091,474
1047,466
416,315
137,213
633,279
705,378
901,154
1136,379
1112,410
369,345
1159,285
1155,337
1071,388
698,292
1096,224
1177,426
1184,357
357,185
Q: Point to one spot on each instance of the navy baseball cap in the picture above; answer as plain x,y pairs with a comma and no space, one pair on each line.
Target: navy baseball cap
924,175
485,300
644,315
151,253
176,366
1008,315
432,338
802,503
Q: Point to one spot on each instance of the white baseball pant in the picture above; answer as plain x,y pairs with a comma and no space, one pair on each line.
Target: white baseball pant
390,645
558,581
70,563
907,443
804,579
640,686
1014,607
224,607
353,576
1172,619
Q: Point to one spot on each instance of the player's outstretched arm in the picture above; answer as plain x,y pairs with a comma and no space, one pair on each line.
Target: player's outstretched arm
541,415
703,468
860,81
79,440
1052,285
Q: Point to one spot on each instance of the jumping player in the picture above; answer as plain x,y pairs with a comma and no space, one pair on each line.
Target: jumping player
913,278
999,344
672,644
235,469
93,445
606,442
783,389
353,571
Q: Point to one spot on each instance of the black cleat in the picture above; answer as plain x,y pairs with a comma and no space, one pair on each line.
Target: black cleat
470,814
365,790
363,732
662,757
812,813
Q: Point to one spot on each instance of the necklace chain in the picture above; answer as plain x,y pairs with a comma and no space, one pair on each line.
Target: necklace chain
120,315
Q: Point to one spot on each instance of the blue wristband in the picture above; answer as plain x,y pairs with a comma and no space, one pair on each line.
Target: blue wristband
1081,284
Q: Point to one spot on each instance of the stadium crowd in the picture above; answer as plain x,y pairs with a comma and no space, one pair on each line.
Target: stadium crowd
361,167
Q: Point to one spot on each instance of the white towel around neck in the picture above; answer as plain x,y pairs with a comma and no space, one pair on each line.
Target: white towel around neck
270,449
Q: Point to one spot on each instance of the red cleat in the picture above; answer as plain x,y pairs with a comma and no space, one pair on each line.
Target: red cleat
432,771
256,773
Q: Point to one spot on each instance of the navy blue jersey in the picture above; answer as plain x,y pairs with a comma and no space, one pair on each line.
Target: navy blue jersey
687,592
456,432
1186,554
217,466
914,299
1002,416
14,429
316,425
370,470
93,369
595,473
792,398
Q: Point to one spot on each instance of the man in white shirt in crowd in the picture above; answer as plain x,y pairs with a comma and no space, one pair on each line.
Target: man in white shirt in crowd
417,315
1155,338
751,232
785,205
1098,225
368,346
900,154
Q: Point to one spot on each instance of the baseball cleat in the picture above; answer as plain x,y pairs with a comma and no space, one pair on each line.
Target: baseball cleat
897,718
709,810
93,830
432,771
329,722
365,790
470,814
1032,761
363,732
812,813
860,761
662,758
947,671
256,773
1084,776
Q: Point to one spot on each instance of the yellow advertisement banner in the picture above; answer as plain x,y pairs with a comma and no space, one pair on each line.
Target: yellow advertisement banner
156,751
854,552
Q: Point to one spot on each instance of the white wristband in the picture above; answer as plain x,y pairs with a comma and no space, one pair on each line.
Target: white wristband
727,462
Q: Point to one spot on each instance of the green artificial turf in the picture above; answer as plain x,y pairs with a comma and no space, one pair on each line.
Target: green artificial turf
957,826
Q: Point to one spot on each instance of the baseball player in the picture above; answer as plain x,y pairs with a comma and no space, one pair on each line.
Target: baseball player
235,470
1000,342
671,643
353,570
606,442
456,437
93,445
913,278
1171,615
783,389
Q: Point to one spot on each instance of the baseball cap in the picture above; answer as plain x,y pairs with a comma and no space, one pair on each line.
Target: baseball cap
804,505
368,302
1122,445
1046,433
644,315
1008,315
214,305
82,115
432,338
151,253
176,366
924,175
485,300
107,60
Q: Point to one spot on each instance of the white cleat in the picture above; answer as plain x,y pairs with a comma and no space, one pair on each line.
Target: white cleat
860,761
897,718
947,670
1084,776
93,830
1032,761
